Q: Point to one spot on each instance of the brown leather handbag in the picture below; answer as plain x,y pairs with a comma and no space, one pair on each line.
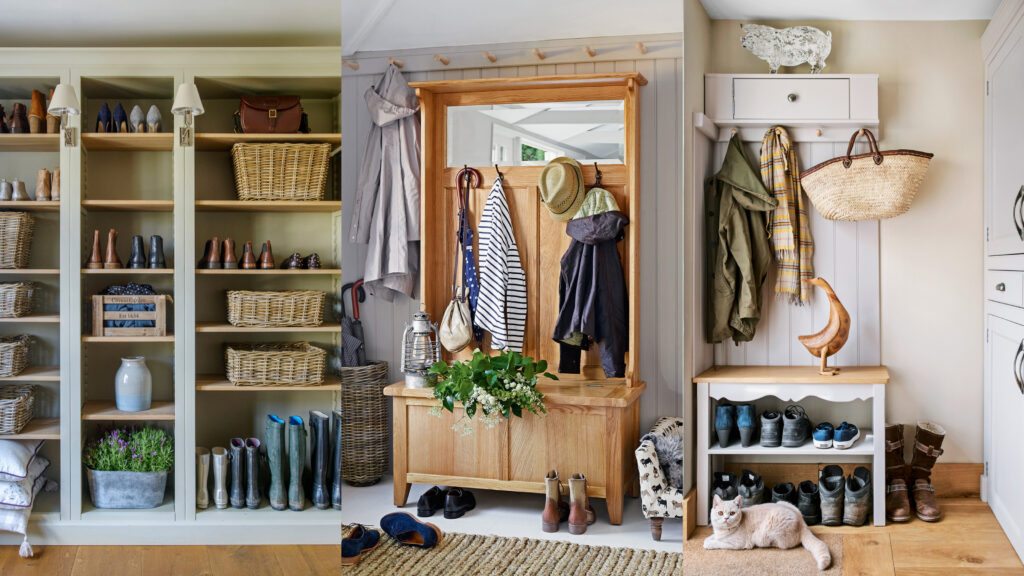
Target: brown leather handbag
270,115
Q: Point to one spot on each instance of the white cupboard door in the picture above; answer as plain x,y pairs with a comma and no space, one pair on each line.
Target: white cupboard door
1004,409
1005,118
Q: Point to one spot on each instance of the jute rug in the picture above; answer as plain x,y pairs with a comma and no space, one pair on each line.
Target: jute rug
760,561
473,555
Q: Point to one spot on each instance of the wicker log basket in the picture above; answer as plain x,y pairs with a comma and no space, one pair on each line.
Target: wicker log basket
16,299
13,355
16,407
275,364
15,239
280,171
365,449
871,186
269,309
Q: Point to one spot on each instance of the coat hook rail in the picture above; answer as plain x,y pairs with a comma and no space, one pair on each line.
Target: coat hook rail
597,175
490,57
444,61
351,64
398,63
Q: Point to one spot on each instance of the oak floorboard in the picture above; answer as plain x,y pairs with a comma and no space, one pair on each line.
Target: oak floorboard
48,561
175,561
108,561
245,560
867,555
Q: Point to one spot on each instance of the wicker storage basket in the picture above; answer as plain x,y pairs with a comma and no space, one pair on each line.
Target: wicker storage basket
870,186
15,239
279,171
365,449
13,355
269,309
275,364
16,407
16,299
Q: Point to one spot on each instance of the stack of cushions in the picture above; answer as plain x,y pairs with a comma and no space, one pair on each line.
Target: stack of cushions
21,479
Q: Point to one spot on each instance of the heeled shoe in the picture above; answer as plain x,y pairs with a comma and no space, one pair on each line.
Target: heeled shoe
248,258
156,252
153,119
103,121
55,183
138,258
20,194
229,262
138,120
112,260
96,255
266,256
36,114
18,120
43,185
52,120
120,119
6,190
4,128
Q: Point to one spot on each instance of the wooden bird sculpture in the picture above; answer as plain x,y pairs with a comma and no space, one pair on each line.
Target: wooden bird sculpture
833,336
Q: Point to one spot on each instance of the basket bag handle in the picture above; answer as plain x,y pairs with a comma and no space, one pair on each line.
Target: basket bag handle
872,145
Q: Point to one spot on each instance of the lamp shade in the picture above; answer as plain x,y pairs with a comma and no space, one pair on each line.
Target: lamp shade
187,100
64,100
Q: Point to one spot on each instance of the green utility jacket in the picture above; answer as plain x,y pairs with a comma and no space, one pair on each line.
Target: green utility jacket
737,250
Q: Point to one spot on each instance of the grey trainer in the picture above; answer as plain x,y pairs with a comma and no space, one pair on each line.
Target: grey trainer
832,489
858,497
751,489
796,427
771,429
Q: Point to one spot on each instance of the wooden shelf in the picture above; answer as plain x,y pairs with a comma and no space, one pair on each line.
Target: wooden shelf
164,513
32,271
794,375
268,205
218,327
268,271
37,429
217,383
31,205
107,410
29,142
91,338
110,271
864,446
34,318
129,205
162,141
571,392
36,374
224,141
267,516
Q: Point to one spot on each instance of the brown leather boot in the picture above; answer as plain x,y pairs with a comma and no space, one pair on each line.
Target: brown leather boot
556,509
96,256
926,451
580,512
112,260
248,258
897,497
267,256
229,261
37,114
213,257
52,121
18,121
43,185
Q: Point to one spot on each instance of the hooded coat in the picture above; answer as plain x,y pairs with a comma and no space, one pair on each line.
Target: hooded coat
386,210
738,252
592,294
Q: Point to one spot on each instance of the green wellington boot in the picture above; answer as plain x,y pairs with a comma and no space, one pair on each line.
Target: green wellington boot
296,461
274,441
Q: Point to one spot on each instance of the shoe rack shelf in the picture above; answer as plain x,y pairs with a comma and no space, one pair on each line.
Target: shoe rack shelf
224,141
33,319
38,429
267,206
126,271
155,142
36,374
29,142
106,411
790,384
31,205
129,205
215,327
31,272
217,383
269,272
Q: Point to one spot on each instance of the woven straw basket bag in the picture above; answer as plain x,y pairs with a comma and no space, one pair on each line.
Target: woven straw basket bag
871,186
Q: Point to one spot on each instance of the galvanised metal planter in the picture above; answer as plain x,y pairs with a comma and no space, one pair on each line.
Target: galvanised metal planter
126,489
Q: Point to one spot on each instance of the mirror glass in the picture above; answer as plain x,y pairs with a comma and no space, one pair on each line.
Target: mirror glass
533,134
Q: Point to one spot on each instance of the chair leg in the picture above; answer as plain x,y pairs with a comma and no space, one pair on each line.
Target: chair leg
656,528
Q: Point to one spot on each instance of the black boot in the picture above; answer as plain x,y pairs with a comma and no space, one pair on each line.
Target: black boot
319,455
138,257
237,494
336,457
156,252
252,467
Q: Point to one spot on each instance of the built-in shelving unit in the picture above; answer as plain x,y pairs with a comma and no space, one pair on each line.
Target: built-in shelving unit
224,141
122,271
267,206
36,374
33,319
157,142
29,142
213,327
30,205
30,271
123,205
268,272
38,429
217,383
105,410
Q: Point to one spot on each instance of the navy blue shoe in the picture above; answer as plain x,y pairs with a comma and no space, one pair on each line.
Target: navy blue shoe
822,435
103,122
406,529
725,420
846,435
746,421
120,119
359,541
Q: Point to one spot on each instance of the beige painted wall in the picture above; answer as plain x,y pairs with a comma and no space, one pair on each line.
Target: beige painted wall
931,91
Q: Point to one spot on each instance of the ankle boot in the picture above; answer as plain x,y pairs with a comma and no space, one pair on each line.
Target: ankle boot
96,256
926,451
18,120
156,252
237,494
4,128
204,261
6,190
266,256
897,498
252,472
37,114
213,258
296,463
319,454
20,194
274,438
138,257
103,120
229,262
120,119
751,489
832,491
202,477
336,459
248,258
52,120
55,183
556,509
43,185
112,260
857,501
220,477
580,512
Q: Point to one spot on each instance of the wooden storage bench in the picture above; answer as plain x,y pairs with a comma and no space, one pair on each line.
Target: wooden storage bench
158,315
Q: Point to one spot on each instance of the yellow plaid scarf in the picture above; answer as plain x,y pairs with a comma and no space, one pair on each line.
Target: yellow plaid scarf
788,227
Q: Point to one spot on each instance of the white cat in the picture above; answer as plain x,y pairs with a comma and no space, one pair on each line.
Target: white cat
762,526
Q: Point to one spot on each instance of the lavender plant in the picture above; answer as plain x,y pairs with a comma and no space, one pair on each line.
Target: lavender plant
131,449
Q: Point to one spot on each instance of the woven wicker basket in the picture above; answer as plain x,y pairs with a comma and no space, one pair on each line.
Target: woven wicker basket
278,171
269,309
871,186
16,299
13,355
365,449
15,239
275,364
16,407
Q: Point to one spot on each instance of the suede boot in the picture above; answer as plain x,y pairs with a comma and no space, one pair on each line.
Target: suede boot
43,185
252,466
296,463
274,438
237,456
319,451
55,183
37,114
897,496
52,120
927,449
556,509
580,512
336,459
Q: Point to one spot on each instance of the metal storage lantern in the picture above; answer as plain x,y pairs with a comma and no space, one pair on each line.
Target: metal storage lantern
420,350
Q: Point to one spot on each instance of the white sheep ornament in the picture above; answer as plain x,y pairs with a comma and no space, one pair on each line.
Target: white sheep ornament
789,46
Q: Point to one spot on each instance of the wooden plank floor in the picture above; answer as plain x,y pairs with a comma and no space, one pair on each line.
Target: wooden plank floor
967,542
173,561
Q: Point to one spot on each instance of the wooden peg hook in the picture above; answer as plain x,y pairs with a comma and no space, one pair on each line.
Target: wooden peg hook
540,55
351,64
641,47
444,61
589,51
490,57
398,63
818,132
732,132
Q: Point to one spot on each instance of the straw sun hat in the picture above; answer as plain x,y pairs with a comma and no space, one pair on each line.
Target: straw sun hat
561,188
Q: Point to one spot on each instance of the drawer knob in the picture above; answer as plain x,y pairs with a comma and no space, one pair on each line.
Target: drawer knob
1001,287
792,97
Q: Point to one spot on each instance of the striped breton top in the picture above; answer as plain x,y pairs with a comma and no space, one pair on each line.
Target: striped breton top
501,308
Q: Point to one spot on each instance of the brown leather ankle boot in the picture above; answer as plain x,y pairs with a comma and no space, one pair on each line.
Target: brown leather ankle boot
267,256
229,261
43,185
18,121
926,451
897,497
96,256
52,121
213,257
112,260
580,512
248,258
37,114
556,509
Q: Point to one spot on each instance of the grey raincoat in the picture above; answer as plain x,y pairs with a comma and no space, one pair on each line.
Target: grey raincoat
386,212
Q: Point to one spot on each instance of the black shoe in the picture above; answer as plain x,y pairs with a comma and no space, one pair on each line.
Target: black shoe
431,501
784,492
458,502
726,486
751,489
809,502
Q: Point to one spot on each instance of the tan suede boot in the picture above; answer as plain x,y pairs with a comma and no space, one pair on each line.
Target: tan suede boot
897,496
43,185
556,509
926,452
580,512
55,183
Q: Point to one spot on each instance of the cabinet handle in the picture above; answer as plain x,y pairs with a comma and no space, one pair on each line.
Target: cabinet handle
1001,287
1018,218
792,97
1017,367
